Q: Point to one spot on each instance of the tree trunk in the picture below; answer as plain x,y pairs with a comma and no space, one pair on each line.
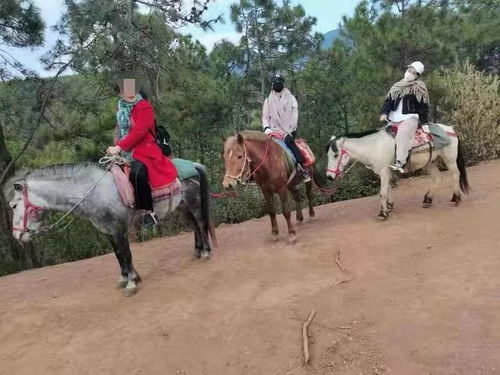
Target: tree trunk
10,250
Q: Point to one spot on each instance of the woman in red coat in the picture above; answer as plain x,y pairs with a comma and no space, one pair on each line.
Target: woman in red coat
136,140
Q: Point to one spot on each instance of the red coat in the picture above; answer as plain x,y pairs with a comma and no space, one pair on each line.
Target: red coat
141,140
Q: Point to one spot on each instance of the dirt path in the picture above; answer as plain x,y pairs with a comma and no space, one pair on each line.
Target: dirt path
423,298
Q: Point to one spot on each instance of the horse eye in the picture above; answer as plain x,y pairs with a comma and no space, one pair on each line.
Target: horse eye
240,157
13,206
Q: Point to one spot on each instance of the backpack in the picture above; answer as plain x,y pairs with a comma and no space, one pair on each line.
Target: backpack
162,138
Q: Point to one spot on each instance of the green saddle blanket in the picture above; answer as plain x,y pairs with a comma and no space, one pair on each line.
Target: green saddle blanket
185,168
439,137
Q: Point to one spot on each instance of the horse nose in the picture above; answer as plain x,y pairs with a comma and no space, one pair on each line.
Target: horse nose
330,177
228,183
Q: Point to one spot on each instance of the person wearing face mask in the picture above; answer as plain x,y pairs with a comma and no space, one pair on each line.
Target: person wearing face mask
280,115
406,106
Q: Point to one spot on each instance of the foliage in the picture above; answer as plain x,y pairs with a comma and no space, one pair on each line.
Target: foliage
473,106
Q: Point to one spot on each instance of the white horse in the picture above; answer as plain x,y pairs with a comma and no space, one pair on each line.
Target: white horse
375,149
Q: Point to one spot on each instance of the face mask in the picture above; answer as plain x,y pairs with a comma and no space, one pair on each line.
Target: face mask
278,86
409,76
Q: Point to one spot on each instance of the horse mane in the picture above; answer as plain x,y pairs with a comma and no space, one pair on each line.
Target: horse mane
63,170
57,171
352,135
254,135
359,134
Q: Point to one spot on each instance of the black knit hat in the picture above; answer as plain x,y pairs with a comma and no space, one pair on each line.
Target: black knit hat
278,78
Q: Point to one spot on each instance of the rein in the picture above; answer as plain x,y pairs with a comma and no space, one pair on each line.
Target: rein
33,211
246,174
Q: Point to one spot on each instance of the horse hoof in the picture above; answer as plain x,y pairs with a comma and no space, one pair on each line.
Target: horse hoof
382,217
205,255
275,237
129,292
390,206
121,284
426,205
292,240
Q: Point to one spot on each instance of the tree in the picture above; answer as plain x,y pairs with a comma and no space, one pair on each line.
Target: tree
274,38
20,26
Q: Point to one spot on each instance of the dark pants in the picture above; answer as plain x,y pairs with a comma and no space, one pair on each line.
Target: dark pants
139,179
290,142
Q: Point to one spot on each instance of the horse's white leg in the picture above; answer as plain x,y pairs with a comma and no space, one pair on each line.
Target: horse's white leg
385,178
131,288
435,179
455,175
449,155
122,282
390,197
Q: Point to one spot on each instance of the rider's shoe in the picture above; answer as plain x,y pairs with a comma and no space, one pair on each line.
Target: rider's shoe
149,220
303,173
397,166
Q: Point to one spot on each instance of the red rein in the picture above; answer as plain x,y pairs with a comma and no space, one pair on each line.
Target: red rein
30,211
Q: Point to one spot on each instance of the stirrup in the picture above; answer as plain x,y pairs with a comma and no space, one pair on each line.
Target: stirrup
397,166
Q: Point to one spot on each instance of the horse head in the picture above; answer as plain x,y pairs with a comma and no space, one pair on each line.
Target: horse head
338,158
27,217
236,161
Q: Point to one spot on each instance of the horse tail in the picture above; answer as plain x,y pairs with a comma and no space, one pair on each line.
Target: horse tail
464,182
208,226
319,178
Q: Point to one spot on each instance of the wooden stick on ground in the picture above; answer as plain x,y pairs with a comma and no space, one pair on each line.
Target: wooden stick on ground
305,337
342,282
337,259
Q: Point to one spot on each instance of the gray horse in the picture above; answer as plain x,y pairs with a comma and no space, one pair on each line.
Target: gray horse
89,191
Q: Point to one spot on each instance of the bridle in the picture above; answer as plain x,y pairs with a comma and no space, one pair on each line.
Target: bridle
337,172
30,211
246,172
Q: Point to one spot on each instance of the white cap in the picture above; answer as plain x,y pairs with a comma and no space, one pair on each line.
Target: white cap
418,66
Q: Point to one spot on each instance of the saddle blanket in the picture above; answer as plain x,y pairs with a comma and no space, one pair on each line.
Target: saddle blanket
185,170
304,148
434,135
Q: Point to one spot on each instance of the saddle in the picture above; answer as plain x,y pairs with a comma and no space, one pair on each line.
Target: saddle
432,136
185,170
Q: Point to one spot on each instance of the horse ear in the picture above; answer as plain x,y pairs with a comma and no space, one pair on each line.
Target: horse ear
18,187
223,138
240,139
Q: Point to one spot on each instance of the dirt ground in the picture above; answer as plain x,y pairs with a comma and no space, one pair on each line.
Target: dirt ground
422,297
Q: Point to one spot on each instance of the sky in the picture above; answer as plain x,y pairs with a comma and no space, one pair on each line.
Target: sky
328,13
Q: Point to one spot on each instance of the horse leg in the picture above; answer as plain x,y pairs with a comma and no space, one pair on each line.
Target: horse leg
122,281
298,208
268,196
390,198
455,175
292,235
309,195
385,178
194,214
435,176
129,276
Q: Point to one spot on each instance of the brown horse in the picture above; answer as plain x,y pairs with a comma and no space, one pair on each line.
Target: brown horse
253,156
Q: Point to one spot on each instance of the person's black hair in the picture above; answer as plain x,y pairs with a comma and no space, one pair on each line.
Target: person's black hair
143,94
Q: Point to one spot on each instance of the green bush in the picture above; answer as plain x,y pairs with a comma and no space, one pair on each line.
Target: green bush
472,104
